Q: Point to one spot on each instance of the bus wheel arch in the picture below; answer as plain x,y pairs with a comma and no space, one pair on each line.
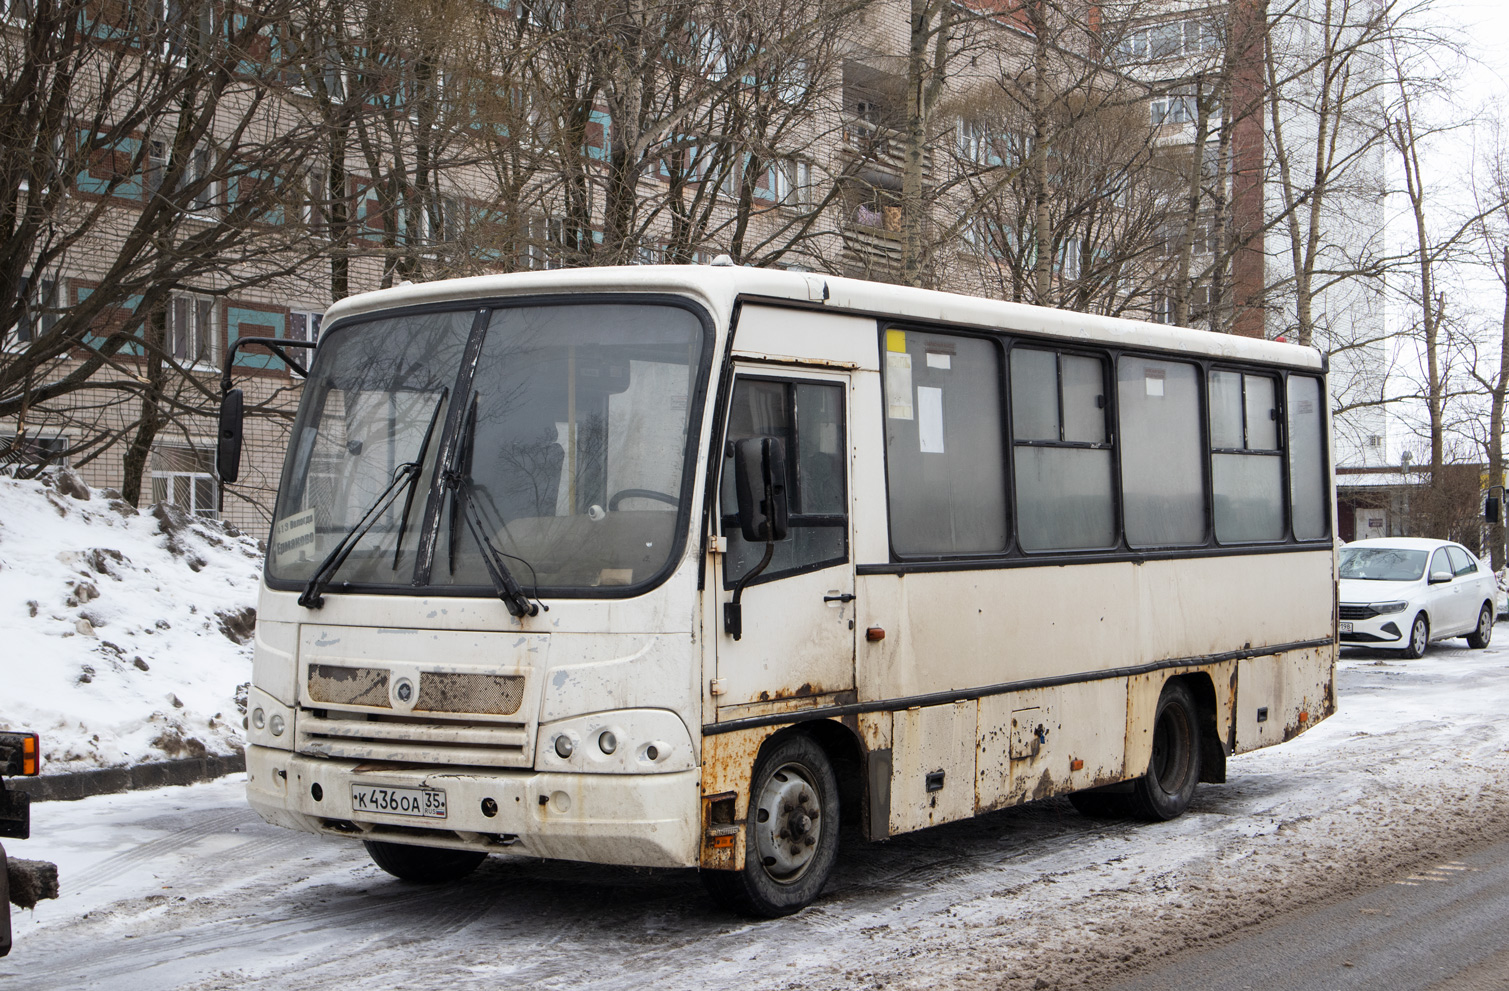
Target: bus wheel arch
790,832
1207,714
1165,790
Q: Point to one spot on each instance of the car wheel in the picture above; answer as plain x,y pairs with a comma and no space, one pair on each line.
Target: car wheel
1419,636
790,833
423,864
1478,638
1167,788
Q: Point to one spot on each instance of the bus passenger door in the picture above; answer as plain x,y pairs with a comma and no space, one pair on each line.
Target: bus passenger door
798,613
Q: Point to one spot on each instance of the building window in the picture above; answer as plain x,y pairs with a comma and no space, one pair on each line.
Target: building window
38,316
1173,108
26,455
191,329
1169,39
184,476
304,325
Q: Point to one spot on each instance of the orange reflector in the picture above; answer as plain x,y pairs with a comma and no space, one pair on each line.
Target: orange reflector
723,842
1076,765
1304,717
874,634
31,759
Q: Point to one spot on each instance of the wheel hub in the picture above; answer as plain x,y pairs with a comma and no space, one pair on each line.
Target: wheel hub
787,823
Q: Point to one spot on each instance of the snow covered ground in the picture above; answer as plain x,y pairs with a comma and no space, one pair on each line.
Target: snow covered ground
123,635
186,888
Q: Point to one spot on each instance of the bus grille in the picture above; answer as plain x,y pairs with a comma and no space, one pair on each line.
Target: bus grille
489,694
389,738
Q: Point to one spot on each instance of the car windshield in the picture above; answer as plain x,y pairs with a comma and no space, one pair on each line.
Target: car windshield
570,425
1385,564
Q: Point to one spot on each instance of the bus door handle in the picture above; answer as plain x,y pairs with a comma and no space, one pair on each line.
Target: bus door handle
846,597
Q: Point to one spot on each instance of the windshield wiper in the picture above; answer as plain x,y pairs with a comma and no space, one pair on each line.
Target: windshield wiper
408,472
408,500
463,507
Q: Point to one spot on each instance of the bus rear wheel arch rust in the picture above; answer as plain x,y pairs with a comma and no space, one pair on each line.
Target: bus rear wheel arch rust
1186,750
790,832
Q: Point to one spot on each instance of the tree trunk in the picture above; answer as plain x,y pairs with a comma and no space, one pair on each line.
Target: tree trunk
152,414
1496,424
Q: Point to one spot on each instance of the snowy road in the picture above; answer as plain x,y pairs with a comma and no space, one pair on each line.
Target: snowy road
186,888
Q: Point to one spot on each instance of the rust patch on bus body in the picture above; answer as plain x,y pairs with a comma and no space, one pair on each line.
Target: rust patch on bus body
727,763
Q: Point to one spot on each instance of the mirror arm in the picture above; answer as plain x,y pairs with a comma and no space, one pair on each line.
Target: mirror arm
276,345
733,612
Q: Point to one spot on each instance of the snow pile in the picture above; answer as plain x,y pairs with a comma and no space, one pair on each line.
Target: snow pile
125,636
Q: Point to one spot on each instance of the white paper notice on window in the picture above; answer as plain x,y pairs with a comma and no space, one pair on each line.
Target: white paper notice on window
293,538
936,360
930,419
898,385
1153,377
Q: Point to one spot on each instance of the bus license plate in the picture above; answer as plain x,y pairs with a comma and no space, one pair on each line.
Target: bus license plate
424,803
1346,627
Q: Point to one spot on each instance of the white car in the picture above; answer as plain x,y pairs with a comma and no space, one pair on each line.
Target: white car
1400,593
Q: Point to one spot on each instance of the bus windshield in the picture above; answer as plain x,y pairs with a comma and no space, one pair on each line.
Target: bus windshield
552,438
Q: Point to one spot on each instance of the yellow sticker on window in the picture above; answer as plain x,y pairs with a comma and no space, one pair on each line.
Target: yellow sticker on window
895,340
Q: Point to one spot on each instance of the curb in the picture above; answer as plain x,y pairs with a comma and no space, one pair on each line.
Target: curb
74,785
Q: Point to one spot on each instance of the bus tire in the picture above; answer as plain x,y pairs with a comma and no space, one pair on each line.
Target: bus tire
1165,791
423,864
1483,632
790,833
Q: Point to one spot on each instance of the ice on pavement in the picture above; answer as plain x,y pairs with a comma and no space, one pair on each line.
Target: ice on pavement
123,634
186,888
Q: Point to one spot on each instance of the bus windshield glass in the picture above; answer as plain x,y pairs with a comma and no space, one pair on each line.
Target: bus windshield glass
558,435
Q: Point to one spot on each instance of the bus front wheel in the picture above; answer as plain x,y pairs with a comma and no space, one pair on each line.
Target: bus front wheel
423,864
1167,788
790,833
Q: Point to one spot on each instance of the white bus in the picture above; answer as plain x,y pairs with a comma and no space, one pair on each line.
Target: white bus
683,566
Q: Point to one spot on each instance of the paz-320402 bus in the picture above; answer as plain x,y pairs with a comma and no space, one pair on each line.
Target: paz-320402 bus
682,566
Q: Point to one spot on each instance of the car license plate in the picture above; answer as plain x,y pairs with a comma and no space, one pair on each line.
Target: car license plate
424,803
1346,627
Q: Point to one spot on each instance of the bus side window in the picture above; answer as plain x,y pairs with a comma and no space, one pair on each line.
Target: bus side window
1061,451
1162,461
808,417
1307,460
945,463
1246,465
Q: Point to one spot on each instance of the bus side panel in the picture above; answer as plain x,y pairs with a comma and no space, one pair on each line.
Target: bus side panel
1281,696
932,765
1050,741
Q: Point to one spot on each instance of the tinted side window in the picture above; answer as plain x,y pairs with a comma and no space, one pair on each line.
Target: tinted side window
1246,465
1162,462
1061,452
808,417
1461,562
945,461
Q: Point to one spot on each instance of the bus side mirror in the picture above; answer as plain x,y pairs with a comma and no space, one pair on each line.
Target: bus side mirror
228,446
1491,509
760,487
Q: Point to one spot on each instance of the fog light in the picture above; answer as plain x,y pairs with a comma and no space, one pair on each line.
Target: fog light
276,725
564,747
607,742
652,752
259,718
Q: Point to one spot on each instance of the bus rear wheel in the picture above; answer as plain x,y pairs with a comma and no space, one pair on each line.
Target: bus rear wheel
790,833
1167,788
423,864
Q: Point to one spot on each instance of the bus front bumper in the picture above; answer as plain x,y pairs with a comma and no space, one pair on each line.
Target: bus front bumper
643,820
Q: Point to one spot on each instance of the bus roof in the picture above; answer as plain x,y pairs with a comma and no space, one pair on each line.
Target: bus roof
721,285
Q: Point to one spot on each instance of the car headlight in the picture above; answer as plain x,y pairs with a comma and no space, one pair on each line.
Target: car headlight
1385,608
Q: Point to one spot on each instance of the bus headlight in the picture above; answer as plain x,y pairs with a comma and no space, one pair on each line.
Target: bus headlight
269,722
625,741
